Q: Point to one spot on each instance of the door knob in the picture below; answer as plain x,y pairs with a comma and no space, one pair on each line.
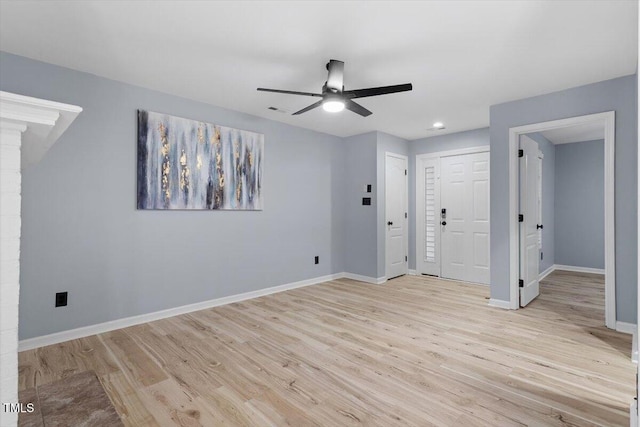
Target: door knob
389,222
444,223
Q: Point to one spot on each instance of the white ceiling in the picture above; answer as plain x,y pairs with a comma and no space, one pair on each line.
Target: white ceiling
579,133
461,56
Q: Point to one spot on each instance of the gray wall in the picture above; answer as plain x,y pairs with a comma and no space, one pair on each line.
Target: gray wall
617,94
548,199
452,141
579,204
392,144
81,231
365,227
360,235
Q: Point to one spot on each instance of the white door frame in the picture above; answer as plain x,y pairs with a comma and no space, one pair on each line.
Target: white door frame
607,119
420,195
405,234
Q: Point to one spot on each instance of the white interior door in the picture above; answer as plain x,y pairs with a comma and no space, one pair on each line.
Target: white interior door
464,216
428,216
396,215
530,208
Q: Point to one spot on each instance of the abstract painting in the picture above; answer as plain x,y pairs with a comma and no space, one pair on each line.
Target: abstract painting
187,164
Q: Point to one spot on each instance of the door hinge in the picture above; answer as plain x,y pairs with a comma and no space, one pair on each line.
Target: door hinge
521,283
405,258
405,171
520,218
405,214
520,153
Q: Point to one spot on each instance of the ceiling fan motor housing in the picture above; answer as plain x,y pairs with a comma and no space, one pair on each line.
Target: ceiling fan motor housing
336,75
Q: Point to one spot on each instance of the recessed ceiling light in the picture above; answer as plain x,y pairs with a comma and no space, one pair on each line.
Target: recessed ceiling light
436,127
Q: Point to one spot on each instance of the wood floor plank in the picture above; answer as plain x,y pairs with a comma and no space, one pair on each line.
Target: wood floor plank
52,363
126,400
171,406
417,351
133,361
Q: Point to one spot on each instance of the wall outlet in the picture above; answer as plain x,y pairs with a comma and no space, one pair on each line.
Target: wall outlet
317,260
61,299
367,188
366,201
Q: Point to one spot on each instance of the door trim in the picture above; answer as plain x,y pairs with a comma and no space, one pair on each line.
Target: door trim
458,152
419,194
608,121
405,233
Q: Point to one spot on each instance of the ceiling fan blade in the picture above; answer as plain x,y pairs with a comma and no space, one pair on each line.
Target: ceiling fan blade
374,91
356,108
335,80
290,92
310,107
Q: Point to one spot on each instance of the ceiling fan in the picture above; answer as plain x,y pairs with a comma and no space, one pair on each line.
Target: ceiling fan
335,98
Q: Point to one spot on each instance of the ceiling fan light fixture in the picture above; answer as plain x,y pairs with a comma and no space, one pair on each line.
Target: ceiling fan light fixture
333,105
335,99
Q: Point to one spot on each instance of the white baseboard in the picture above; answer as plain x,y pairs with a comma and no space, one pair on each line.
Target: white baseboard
412,272
547,272
86,331
366,279
627,328
630,328
578,269
633,414
498,303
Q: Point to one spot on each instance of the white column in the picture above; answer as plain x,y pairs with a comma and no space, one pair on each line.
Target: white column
28,128
10,178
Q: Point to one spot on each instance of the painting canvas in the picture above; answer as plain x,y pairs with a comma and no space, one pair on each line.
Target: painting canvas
187,164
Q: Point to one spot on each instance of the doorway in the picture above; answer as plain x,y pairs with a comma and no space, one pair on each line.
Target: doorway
452,214
604,122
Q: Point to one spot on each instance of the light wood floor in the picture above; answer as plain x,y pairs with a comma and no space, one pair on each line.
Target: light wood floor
416,351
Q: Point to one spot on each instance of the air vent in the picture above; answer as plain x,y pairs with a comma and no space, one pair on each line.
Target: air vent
279,110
